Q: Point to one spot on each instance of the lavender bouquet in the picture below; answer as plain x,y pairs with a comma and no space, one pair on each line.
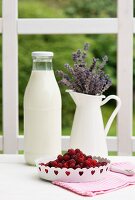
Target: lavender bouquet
84,78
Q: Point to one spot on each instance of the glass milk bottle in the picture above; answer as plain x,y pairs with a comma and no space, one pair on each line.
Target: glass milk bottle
42,110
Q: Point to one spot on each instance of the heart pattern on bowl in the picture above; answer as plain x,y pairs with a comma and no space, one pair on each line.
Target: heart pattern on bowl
101,170
93,172
81,173
39,168
67,173
56,172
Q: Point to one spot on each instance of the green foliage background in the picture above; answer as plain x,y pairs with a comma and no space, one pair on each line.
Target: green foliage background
63,46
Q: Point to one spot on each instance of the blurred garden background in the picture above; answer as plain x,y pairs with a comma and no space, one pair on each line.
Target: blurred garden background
63,46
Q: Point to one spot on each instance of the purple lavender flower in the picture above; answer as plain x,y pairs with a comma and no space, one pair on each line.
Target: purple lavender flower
83,78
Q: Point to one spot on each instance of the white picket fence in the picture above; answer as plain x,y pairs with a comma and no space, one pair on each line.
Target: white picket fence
123,26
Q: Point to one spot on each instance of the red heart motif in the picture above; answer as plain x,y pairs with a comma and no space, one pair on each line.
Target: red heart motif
101,170
93,172
56,172
39,168
80,173
106,168
67,173
46,170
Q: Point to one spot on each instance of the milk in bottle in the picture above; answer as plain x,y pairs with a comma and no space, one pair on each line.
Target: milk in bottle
42,110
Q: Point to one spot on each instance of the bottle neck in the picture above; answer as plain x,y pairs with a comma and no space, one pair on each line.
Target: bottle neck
42,64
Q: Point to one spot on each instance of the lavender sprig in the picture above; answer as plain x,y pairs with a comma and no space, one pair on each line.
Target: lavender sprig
86,79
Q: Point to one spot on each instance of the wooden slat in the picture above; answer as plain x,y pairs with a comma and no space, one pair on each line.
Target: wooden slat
111,143
1,143
10,75
134,25
133,143
0,25
67,26
125,75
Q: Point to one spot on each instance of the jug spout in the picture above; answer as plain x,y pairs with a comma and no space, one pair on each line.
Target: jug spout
75,96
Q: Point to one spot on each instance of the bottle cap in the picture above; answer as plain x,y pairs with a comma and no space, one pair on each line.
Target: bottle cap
42,53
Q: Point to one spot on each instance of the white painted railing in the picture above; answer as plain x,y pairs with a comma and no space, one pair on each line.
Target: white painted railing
11,26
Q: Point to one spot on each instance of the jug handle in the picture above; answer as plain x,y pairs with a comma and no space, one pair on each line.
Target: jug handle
114,112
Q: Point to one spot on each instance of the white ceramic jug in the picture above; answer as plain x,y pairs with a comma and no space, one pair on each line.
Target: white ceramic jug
88,132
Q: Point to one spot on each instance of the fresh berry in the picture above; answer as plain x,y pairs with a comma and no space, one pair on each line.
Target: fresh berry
60,158
94,162
72,165
103,163
65,165
66,157
47,164
99,164
60,165
88,163
89,157
54,164
50,164
81,159
85,156
71,152
74,159
81,165
77,166
78,154
77,151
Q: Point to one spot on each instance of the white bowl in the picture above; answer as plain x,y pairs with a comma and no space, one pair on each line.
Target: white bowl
73,175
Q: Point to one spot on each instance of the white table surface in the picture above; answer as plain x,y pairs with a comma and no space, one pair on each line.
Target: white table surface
19,181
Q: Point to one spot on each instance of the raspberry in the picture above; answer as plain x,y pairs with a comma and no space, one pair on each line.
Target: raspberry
71,152
60,158
65,165
77,151
72,161
89,159
72,165
81,165
50,164
89,156
103,163
88,163
74,157
85,156
54,164
60,165
94,162
99,164
77,166
66,157
47,164
78,154
81,159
